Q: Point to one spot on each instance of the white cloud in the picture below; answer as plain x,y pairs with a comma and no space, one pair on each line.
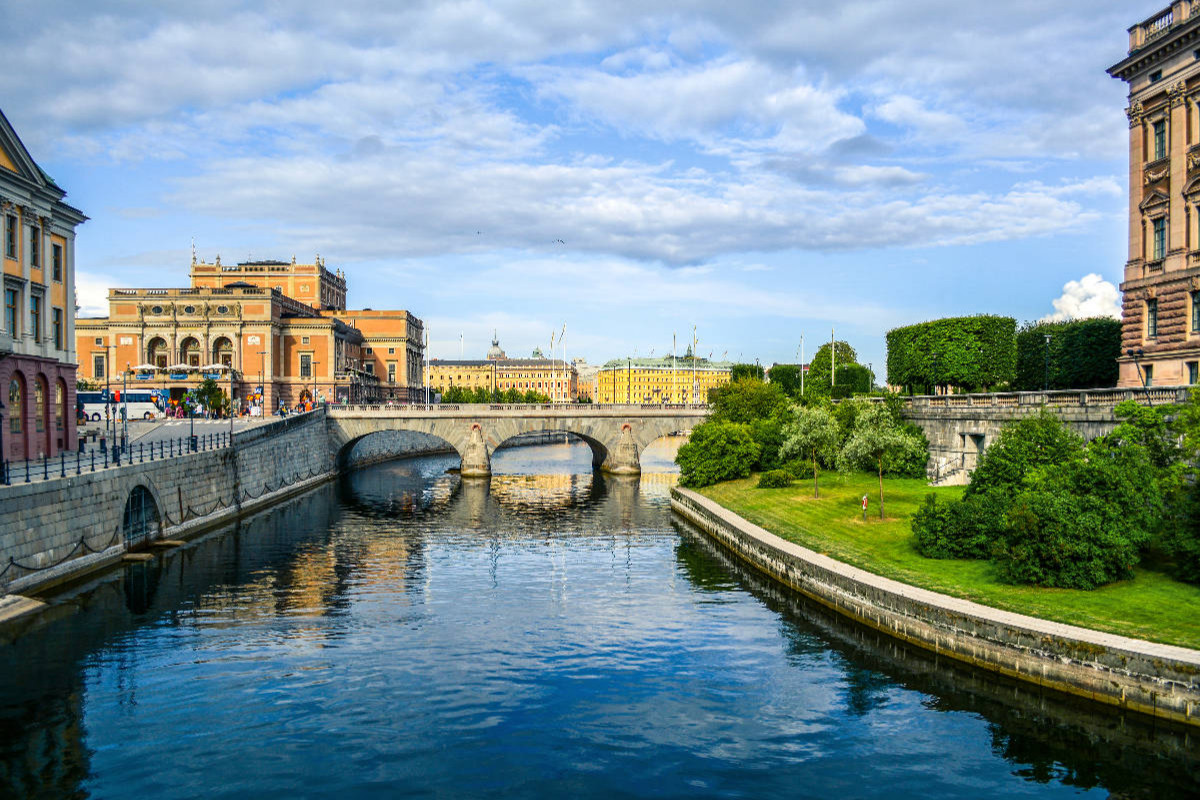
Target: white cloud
1090,296
91,293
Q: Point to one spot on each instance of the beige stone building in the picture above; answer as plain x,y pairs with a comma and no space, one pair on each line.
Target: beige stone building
555,378
1161,312
238,321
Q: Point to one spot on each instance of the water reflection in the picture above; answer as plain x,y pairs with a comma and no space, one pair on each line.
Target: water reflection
405,631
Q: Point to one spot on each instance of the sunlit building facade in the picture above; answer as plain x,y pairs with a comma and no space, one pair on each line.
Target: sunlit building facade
668,380
37,345
555,378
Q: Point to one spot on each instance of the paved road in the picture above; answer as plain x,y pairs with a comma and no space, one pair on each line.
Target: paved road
141,432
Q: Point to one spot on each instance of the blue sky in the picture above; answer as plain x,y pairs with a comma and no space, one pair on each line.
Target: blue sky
762,171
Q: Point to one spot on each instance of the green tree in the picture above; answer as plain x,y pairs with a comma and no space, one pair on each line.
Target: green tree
210,395
746,400
875,436
716,451
1022,446
1082,354
820,367
750,371
813,432
969,352
787,378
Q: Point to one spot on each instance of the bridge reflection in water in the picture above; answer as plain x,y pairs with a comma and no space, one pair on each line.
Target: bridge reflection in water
407,631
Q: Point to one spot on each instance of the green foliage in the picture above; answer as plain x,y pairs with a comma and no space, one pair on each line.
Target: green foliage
750,371
787,378
746,400
210,395
775,479
716,451
960,528
813,434
85,385
968,352
768,435
820,367
1083,354
852,379
875,435
907,461
1022,446
460,394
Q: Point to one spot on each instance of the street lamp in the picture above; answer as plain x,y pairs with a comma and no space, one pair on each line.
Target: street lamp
313,396
261,375
125,408
1136,355
1047,386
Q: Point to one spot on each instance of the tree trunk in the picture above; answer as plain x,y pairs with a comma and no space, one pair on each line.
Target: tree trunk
816,490
881,487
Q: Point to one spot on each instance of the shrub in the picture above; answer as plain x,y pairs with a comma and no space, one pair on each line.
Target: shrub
971,352
787,378
775,479
716,451
969,528
768,435
746,371
746,400
1022,446
1083,354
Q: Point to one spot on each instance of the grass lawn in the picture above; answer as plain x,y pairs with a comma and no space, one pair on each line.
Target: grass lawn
1150,606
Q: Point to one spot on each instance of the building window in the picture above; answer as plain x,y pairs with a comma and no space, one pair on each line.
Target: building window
370,365
305,365
56,322
303,340
1195,312
99,341
1148,372
391,373
1160,139
35,317
1156,76
10,236
10,312
39,406
60,405
16,405
56,252
1193,371
1151,318
35,250
370,351
98,367
1160,239
391,351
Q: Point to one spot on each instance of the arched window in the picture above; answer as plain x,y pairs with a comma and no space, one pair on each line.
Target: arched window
156,352
222,352
60,404
189,352
16,404
39,405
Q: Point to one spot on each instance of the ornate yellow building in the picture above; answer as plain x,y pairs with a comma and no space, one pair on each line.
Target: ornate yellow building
554,378
679,379
238,318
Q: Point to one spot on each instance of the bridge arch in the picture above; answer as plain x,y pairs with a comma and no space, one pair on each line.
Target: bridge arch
141,520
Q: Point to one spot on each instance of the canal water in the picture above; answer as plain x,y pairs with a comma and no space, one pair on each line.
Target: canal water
548,633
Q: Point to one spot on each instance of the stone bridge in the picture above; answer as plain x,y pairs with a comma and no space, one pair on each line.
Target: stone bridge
616,433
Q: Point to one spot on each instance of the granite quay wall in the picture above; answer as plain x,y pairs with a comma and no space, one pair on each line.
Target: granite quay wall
52,530
960,427
1159,680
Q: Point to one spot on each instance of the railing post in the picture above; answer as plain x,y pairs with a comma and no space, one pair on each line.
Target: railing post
141,453
116,455
106,458
62,457
78,462
27,470
93,452
45,468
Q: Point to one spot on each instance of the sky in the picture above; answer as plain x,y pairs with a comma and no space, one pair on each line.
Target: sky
763,171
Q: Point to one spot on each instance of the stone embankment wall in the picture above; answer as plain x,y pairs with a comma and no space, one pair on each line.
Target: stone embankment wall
1160,680
52,530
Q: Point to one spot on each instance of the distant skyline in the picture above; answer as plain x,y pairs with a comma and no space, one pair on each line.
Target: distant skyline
762,171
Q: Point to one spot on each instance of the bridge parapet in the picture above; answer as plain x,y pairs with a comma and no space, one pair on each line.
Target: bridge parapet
1057,398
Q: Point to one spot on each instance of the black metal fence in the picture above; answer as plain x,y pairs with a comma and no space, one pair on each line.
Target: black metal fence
109,456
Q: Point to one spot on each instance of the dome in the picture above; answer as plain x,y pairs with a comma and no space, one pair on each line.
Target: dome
495,353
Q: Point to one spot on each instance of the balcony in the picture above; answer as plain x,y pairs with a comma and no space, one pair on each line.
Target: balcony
1162,23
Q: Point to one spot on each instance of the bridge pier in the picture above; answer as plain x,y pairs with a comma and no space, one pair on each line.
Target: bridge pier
623,459
476,460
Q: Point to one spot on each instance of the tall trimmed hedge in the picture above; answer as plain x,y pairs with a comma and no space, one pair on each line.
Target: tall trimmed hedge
787,378
852,379
1083,354
739,371
968,352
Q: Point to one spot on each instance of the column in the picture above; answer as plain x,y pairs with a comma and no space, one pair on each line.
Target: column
26,234
69,294
1177,130
1137,144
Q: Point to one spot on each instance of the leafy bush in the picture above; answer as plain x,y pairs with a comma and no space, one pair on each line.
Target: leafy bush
1083,522
775,479
768,435
1083,354
751,371
820,368
968,528
717,451
787,378
970,352
852,379
1026,444
746,400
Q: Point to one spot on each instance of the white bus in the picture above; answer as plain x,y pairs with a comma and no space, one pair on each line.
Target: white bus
139,405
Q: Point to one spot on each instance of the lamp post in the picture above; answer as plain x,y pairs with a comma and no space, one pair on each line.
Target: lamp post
125,407
1136,355
261,373
231,405
1047,353
313,395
